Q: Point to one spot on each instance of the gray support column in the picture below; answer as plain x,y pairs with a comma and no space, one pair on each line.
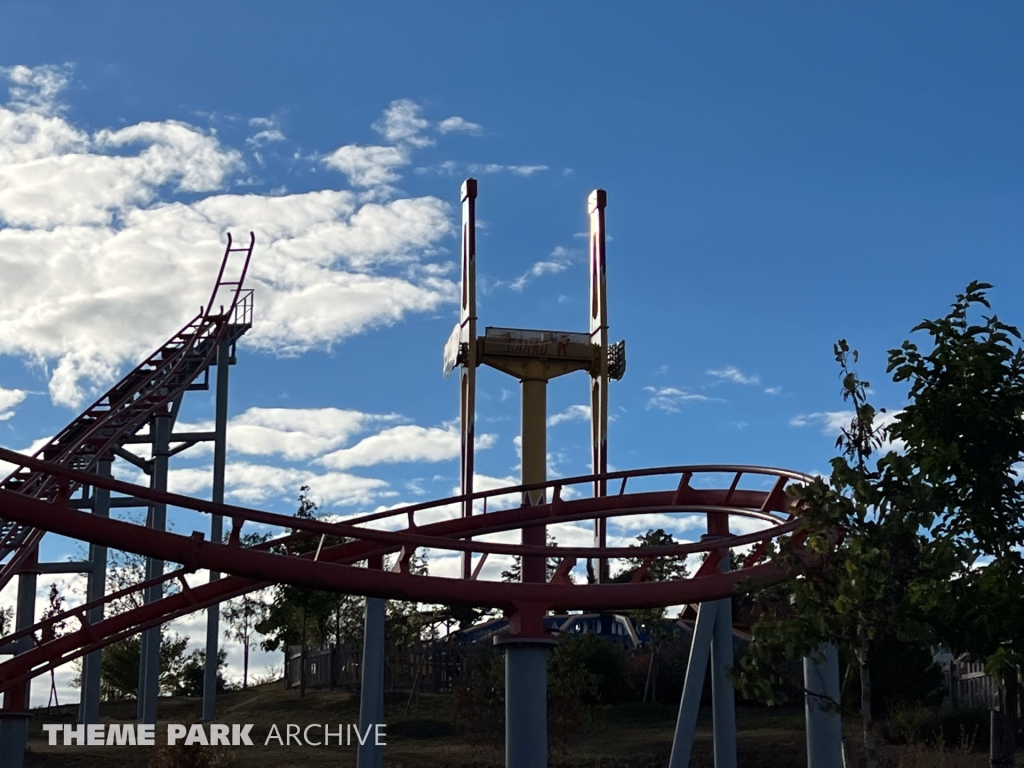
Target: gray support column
693,685
89,705
13,738
371,693
14,717
25,610
149,661
220,447
723,694
824,724
526,701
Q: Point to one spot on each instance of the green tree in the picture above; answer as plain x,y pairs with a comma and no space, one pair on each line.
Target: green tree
119,665
963,434
658,569
310,617
241,616
870,560
192,675
119,668
651,619
52,631
925,544
514,573
6,621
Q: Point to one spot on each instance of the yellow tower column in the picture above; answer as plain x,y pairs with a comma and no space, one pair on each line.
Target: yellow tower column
535,463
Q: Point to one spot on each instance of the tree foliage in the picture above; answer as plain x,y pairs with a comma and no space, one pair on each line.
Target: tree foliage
119,665
119,669
310,617
191,677
963,434
924,542
870,557
241,616
963,429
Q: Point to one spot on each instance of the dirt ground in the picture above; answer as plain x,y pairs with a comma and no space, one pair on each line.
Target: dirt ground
427,733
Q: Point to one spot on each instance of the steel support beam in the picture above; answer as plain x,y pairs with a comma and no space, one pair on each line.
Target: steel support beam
371,693
533,447
712,636
70,566
723,695
220,447
467,337
526,702
693,685
14,717
116,502
149,661
89,704
821,707
13,738
598,303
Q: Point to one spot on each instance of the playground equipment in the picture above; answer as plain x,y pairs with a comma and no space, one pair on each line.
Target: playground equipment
51,492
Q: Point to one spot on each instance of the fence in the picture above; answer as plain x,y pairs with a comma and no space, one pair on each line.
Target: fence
429,667
968,685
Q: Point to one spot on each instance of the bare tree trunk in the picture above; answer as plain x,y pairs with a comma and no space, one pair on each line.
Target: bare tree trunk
302,660
870,748
650,673
1008,704
416,681
245,667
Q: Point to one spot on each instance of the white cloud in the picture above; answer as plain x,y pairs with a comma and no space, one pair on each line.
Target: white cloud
517,170
558,261
6,468
302,433
525,170
9,400
403,443
773,390
833,422
735,375
371,166
572,413
250,483
449,168
456,123
297,433
552,460
100,261
265,137
35,89
402,122
671,399
54,176
489,483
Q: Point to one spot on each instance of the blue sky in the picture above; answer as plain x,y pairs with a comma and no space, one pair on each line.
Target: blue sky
778,178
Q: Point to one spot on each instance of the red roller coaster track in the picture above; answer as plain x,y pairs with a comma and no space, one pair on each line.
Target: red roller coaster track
434,525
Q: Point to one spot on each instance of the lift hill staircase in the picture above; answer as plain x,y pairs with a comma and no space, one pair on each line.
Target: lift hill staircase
154,387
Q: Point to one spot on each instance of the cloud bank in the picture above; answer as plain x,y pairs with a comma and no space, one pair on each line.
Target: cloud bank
109,239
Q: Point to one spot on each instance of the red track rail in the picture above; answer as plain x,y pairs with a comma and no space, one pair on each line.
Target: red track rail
333,568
